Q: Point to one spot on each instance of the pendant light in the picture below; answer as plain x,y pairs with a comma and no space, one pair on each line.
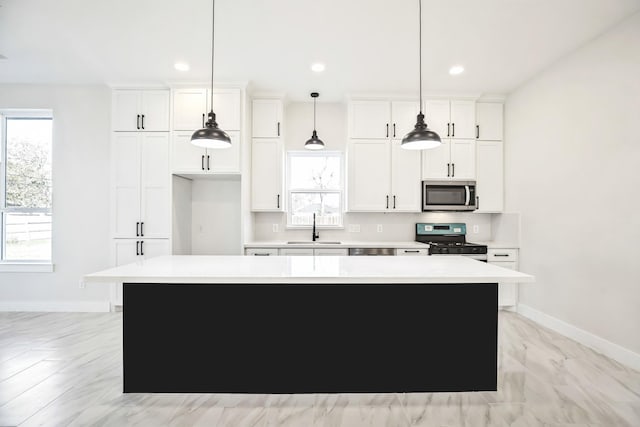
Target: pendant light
211,136
314,143
421,137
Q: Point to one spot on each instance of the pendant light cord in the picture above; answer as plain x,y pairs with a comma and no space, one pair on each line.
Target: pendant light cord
419,47
314,114
213,20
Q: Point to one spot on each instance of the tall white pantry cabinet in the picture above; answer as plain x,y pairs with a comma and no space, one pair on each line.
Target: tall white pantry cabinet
140,214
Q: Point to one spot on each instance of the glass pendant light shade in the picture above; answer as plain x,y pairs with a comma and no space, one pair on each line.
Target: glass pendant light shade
211,136
421,137
314,143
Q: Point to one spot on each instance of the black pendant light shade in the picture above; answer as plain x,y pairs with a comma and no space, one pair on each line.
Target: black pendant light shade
314,143
421,137
211,136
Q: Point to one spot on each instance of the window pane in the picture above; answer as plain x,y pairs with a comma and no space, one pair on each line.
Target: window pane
28,173
28,236
326,206
315,172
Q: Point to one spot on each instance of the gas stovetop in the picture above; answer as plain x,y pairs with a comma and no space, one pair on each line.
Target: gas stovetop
447,239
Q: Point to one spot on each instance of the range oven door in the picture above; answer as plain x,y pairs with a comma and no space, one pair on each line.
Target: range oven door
448,195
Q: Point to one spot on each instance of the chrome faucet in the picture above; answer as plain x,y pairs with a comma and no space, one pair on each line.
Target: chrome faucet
314,234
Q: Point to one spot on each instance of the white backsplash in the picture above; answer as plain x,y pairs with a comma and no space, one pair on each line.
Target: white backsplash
395,226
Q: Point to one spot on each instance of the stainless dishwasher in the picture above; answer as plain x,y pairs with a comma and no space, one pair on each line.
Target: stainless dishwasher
371,251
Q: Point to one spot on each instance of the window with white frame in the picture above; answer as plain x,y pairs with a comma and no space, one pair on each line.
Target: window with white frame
25,185
315,185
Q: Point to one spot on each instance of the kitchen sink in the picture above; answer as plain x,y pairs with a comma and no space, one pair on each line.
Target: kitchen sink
313,243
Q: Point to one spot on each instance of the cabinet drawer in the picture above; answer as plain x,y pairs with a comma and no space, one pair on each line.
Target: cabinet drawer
502,255
410,252
261,252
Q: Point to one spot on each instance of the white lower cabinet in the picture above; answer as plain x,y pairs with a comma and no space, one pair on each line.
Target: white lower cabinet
296,251
411,252
506,258
331,252
127,251
261,251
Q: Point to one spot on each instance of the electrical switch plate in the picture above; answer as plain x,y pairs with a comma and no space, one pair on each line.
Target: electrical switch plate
274,227
354,228
476,229
379,228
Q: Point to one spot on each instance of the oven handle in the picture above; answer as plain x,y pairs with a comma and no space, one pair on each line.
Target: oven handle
466,189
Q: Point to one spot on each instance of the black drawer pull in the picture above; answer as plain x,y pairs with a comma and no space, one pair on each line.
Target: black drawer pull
503,255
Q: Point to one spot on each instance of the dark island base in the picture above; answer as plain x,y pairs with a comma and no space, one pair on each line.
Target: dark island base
302,338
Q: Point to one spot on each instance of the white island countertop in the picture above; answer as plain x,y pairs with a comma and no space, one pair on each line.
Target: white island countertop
308,269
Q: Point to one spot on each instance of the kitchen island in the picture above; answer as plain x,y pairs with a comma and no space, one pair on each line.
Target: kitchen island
234,324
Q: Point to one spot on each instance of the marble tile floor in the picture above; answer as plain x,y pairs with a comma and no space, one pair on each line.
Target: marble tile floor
64,369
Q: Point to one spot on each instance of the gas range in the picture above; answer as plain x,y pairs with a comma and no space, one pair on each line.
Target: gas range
449,239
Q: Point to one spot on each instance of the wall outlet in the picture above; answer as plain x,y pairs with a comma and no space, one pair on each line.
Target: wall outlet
354,228
476,229
275,228
379,228
81,284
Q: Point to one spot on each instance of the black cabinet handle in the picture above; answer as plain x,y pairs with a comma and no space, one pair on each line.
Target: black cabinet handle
137,248
141,229
202,162
453,129
394,130
278,202
278,128
143,122
208,158
387,201
394,201
501,255
387,130
141,247
453,169
203,120
477,202
407,251
448,129
138,121
137,229
448,169
477,131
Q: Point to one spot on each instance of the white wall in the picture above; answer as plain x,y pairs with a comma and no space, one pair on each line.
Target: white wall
81,117
332,129
572,166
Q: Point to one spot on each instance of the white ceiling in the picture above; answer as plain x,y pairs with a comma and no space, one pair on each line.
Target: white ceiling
367,45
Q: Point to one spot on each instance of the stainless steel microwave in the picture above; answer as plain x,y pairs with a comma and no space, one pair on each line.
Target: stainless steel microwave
449,196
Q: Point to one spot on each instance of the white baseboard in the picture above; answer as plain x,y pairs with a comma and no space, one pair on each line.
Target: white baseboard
601,345
56,306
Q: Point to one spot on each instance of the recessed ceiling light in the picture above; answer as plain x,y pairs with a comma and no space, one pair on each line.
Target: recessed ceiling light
181,66
456,69
318,67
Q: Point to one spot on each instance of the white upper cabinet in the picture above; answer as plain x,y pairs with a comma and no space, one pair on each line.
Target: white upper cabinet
455,159
370,119
140,110
190,159
191,108
490,176
267,118
267,178
489,121
403,117
369,175
451,118
141,185
405,179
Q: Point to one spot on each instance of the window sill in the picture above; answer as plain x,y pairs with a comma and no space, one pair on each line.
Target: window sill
26,267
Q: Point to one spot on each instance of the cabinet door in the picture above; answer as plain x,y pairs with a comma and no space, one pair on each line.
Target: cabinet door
507,292
369,175
489,120
436,115
405,178
126,110
187,158
463,119
126,183
154,185
150,248
225,160
296,252
489,176
266,118
403,117
267,175
463,159
189,109
370,119
155,108
124,251
436,162
226,105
